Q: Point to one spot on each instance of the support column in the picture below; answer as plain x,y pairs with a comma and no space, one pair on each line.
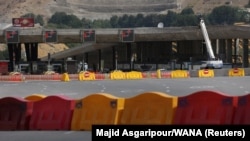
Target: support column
229,51
28,51
99,59
215,47
113,58
86,57
128,46
245,53
222,49
17,50
235,51
11,52
14,55
34,51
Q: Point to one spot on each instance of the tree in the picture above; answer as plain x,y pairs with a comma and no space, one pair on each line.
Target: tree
114,21
171,19
123,21
64,20
224,15
139,20
187,11
86,23
39,19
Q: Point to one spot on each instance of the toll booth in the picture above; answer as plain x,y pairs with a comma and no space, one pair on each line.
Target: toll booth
41,67
57,67
71,66
24,68
34,67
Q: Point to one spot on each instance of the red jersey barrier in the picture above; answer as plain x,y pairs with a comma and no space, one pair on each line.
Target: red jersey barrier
14,113
205,107
52,113
242,114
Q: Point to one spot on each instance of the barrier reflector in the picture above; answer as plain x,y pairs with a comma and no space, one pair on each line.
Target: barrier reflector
236,72
35,97
86,75
117,75
242,114
179,74
206,73
52,113
205,107
14,113
134,75
100,108
149,108
65,77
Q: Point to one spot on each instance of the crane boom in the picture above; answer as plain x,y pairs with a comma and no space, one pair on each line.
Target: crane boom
212,62
207,40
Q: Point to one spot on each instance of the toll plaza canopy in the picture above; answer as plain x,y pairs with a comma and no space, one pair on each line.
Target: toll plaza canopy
109,36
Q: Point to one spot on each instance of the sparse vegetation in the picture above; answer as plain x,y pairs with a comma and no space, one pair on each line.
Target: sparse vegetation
219,15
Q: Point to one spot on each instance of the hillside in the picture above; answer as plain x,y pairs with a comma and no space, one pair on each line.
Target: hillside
101,9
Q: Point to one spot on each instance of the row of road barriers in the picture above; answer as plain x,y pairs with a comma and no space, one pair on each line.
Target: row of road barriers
132,75
57,112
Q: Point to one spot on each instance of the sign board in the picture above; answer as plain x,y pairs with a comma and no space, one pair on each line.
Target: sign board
12,36
127,35
88,35
50,36
23,22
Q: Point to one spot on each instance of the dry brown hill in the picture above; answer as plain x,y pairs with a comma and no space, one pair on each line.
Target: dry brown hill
101,9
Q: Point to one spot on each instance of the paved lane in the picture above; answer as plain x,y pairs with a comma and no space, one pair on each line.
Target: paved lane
121,88
127,88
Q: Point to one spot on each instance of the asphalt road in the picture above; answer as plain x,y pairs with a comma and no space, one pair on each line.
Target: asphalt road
121,88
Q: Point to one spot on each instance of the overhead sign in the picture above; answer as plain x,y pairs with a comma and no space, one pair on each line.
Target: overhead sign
127,35
88,35
23,22
50,36
12,36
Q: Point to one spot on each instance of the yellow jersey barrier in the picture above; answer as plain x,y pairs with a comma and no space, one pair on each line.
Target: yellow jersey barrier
158,72
236,72
133,75
179,74
117,75
86,75
35,97
99,108
148,108
206,73
65,77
